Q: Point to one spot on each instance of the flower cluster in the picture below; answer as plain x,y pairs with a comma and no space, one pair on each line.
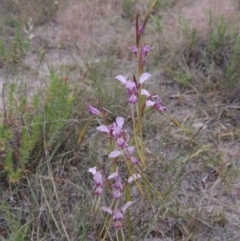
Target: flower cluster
117,214
143,53
97,179
117,192
133,92
154,101
132,86
121,138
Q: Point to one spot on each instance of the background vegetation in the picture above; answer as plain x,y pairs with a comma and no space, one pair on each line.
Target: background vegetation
77,49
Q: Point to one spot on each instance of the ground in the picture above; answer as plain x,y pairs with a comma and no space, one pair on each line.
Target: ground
194,66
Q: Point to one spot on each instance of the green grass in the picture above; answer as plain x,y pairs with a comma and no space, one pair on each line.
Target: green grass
211,58
45,189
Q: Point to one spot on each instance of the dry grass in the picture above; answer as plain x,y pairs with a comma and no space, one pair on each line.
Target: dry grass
51,202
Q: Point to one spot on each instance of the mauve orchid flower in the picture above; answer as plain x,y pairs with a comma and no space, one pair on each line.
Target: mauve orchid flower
114,154
103,128
98,180
130,150
98,191
114,130
141,29
145,92
121,143
117,188
134,50
117,179
135,161
132,99
131,87
144,77
93,110
144,51
156,102
117,127
117,214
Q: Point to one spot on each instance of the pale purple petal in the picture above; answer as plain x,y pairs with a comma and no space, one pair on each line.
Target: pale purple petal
146,49
126,206
103,128
130,150
134,161
149,103
133,177
97,178
134,50
118,183
132,99
131,87
114,154
121,78
117,131
144,77
117,193
163,109
120,121
121,143
93,110
107,209
113,175
98,191
141,29
93,170
144,92
117,215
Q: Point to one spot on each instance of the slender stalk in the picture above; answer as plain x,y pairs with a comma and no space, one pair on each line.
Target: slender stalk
135,136
128,198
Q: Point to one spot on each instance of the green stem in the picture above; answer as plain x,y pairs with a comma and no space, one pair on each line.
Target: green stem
135,130
128,198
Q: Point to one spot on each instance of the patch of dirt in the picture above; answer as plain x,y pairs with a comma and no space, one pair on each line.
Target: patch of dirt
198,14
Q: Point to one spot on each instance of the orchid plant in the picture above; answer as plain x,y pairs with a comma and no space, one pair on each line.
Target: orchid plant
123,148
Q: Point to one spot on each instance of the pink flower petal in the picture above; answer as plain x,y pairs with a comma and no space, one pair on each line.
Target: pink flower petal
120,121
134,50
131,87
113,175
144,92
146,49
107,209
144,77
117,215
98,191
93,170
132,99
149,103
117,193
134,161
121,143
114,154
103,128
93,110
121,78
130,150
97,178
